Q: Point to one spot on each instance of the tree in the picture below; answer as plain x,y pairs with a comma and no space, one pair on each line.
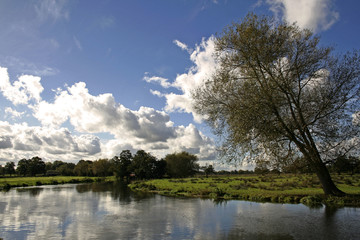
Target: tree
31,166
36,166
83,168
345,164
208,170
2,170
22,167
9,168
143,165
66,169
276,93
182,164
101,168
122,165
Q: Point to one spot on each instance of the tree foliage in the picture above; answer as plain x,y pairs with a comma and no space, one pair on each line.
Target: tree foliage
9,168
145,166
182,164
31,167
122,165
278,94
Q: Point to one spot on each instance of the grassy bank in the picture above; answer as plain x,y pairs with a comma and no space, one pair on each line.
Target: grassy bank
269,188
7,183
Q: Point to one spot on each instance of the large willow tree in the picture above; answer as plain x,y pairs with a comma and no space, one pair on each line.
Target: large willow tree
278,94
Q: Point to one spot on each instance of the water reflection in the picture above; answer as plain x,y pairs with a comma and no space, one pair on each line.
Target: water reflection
112,211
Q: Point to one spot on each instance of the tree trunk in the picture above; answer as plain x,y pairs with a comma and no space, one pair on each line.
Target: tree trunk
327,183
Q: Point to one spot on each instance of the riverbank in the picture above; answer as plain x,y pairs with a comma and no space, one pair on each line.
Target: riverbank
10,182
283,188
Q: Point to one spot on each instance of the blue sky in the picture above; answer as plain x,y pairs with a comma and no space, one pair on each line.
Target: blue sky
87,79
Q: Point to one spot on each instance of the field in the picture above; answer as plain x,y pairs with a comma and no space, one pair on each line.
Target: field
281,188
9,182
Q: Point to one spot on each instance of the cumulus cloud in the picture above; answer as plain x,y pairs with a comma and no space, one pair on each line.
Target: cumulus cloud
145,128
19,141
22,91
5,142
204,65
12,113
316,15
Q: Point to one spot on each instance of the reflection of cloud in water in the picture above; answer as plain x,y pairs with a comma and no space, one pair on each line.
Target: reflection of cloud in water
112,212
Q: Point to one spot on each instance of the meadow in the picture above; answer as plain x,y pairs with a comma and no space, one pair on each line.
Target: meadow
282,188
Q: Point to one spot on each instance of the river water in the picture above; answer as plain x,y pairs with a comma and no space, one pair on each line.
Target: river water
112,211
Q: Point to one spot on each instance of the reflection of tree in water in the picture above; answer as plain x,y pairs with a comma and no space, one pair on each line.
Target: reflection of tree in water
82,188
118,190
32,191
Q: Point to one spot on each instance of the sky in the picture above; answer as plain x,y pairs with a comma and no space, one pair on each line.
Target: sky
87,79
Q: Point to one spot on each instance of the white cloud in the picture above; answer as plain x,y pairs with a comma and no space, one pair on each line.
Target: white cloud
22,91
106,22
12,113
356,118
77,43
182,45
316,15
204,66
162,81
145,128
22,141
29,68
156,93
52,9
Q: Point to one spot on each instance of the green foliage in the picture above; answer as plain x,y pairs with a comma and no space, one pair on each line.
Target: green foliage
146,166
278,93
182,164
122,164
31,167
9,168
83,168
101,168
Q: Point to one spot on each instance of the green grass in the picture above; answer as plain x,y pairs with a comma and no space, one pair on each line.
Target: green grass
284,188
9,182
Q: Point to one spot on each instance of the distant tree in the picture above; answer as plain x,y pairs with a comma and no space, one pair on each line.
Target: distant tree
56,164
2,170
83,168
66,169
122,165
208,170
48,166
36,166
9,168
22,167
345,164
144,165
31,167
181,165
101,168
276,92
160,169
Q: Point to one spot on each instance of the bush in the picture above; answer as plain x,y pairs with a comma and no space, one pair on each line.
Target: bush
311,201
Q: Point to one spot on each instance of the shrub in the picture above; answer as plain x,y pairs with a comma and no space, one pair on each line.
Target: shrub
311,201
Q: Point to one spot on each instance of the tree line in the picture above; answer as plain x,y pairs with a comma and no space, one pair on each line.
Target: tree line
141,165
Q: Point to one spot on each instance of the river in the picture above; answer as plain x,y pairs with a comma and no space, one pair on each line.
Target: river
112,211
